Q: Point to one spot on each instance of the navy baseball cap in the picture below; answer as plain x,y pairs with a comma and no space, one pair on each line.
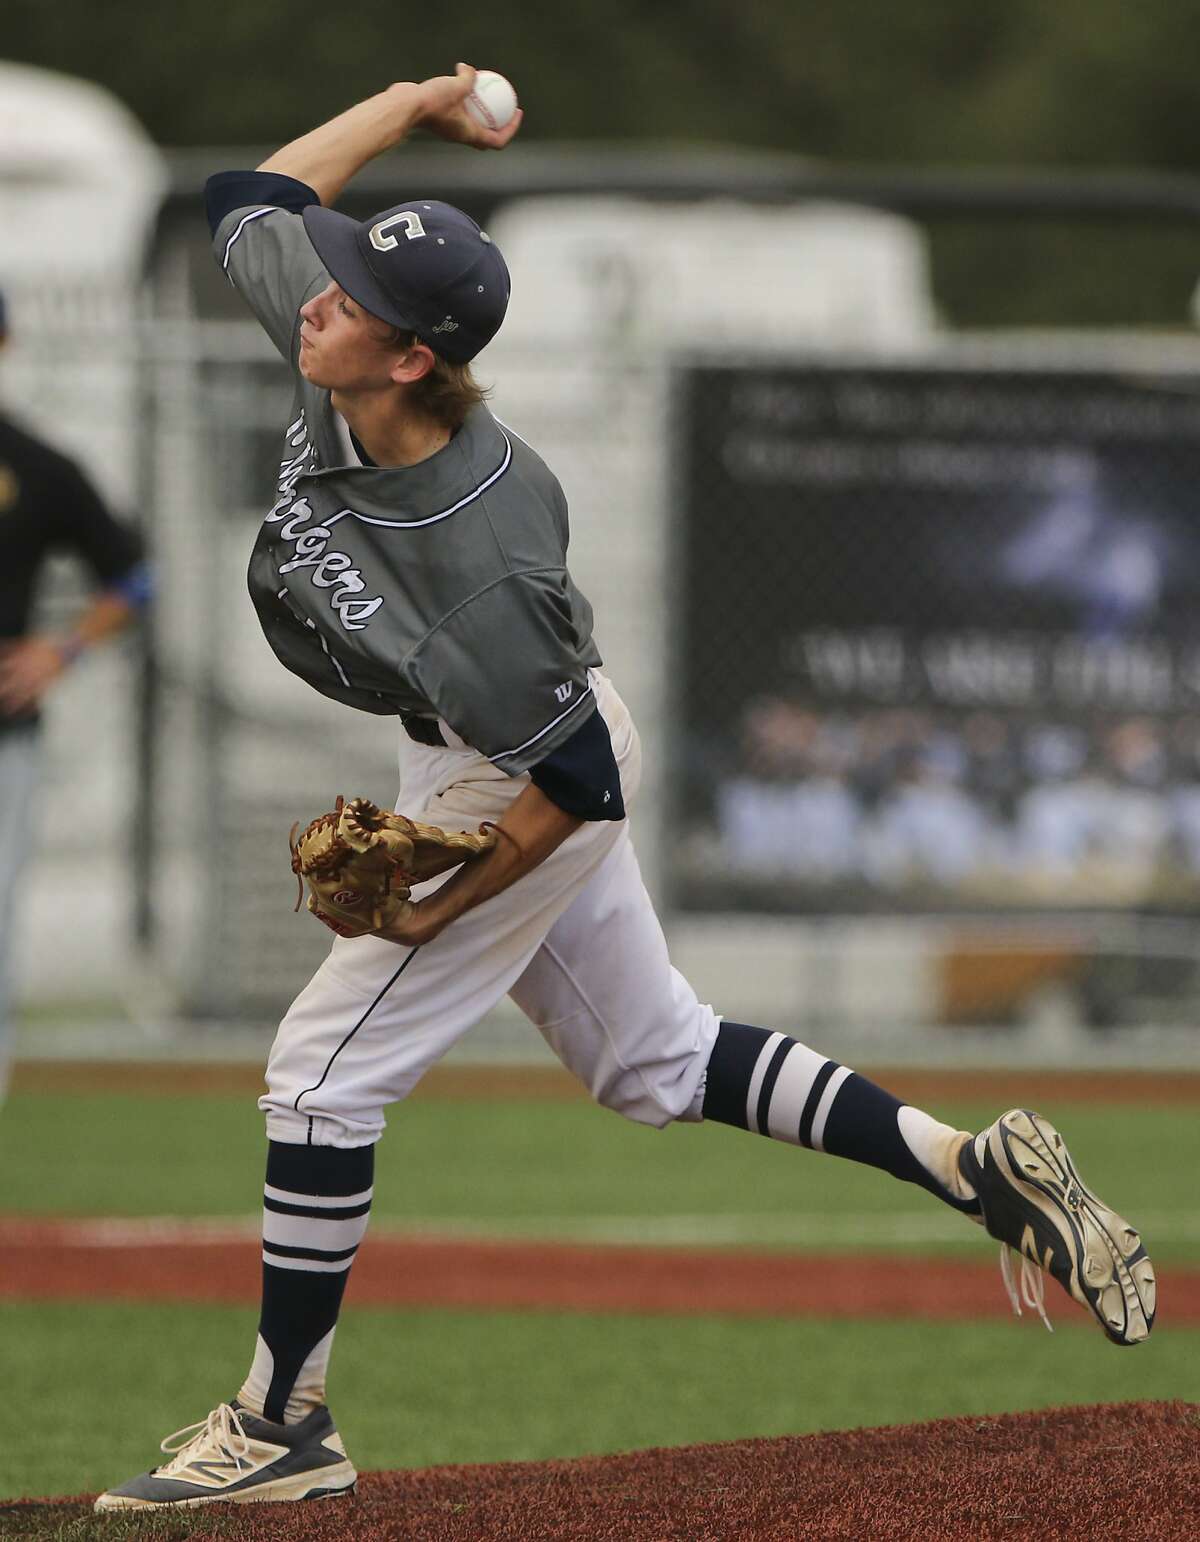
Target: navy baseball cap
423,266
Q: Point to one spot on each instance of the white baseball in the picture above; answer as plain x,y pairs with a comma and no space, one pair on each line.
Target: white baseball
492,101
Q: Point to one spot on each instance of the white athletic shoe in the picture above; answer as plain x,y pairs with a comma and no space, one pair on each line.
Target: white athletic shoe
1037,1205
236,1457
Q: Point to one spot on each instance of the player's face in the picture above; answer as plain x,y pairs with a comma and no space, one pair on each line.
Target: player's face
342,346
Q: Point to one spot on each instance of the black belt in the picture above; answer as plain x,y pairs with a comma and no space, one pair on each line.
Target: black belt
424,730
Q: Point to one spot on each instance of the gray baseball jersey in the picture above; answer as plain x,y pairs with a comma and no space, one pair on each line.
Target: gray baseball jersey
439,589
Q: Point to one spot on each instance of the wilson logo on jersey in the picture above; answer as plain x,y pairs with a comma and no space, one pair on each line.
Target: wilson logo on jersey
563,692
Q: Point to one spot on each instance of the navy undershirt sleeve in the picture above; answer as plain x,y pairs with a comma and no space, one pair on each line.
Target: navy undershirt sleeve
581,776
230,190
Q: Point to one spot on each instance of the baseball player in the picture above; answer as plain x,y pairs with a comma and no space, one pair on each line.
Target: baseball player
413,565
47,505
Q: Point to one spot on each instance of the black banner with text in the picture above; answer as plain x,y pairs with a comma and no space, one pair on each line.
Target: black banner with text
938,640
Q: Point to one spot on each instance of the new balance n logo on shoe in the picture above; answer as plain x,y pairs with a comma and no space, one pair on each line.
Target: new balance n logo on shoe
1030,1250
220,1471
237,1457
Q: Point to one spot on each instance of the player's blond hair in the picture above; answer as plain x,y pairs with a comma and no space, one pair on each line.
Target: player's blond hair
448,392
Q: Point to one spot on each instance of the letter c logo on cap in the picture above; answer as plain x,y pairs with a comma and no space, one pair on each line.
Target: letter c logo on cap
410,219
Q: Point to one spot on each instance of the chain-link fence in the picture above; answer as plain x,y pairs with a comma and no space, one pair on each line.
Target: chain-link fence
938,653
906,615
242,749
940,636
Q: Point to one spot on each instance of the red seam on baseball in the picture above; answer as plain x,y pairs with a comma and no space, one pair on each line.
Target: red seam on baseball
484,109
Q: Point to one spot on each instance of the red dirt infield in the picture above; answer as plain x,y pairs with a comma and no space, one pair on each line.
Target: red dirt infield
219,1262
1127,1470
550,1083
1130,1471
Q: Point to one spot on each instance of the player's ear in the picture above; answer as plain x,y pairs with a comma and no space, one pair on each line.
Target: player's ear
412,364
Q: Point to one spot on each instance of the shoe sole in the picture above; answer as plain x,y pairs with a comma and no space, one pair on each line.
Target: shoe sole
1111,1274
327,1483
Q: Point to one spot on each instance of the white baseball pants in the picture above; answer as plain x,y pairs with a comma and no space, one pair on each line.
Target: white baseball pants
18,777
576,943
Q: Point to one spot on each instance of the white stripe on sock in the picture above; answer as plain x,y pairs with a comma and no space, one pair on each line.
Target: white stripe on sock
319,1201
304,1231
817,1139
790,1093
766,1054
307,1265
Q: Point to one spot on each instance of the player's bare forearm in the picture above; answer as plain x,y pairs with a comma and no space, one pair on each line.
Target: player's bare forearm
106,616
30,665
329,156
530,830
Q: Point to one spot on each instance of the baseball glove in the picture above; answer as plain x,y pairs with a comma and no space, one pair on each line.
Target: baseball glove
361,862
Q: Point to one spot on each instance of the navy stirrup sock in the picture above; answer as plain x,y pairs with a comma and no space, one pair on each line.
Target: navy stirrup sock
316,1205
773,1085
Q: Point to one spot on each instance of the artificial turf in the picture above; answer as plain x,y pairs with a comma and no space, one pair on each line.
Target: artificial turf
569,1170
99,1385
94,1386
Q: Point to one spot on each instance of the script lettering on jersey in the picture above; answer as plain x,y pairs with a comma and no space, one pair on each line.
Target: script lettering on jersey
333,570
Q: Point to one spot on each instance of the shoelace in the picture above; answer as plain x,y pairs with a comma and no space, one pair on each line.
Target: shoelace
220,1435
1032,1283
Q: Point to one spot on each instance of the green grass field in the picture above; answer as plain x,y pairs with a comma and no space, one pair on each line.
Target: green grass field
569,1170
99,1384
106,1383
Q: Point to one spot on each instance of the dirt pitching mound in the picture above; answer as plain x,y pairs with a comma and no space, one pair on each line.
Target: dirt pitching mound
1129,1470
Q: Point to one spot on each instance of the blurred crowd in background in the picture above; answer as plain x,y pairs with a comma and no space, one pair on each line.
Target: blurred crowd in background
843,184
1038,807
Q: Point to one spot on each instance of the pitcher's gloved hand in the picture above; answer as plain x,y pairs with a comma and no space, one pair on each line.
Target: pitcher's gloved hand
361,862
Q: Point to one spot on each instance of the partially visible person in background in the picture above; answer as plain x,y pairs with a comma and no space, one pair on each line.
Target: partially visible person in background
47,505
789,811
